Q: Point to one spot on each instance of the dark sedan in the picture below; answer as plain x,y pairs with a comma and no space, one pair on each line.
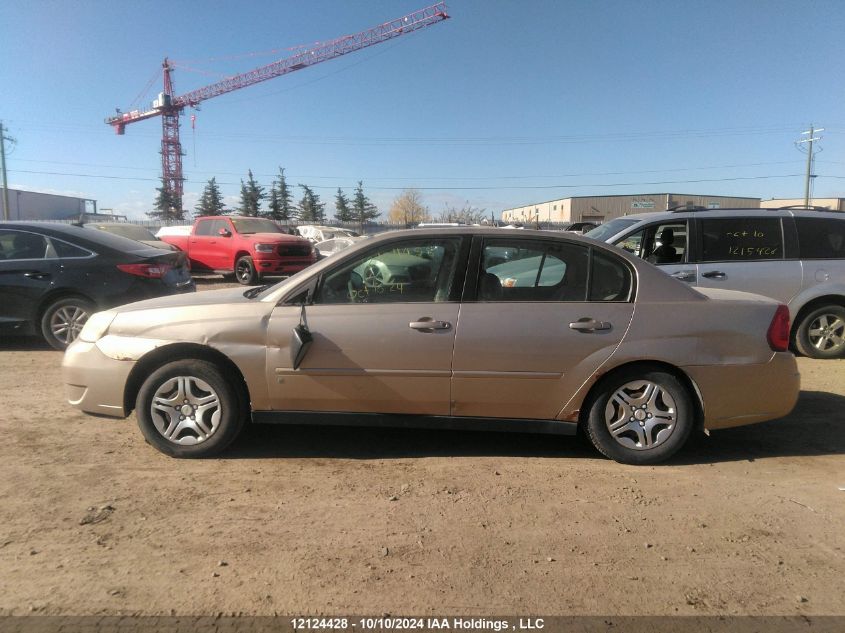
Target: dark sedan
54,276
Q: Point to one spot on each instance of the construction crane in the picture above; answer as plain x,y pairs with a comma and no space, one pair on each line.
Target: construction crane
169,107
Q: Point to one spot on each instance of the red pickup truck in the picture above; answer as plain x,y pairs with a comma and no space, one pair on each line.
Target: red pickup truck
245,247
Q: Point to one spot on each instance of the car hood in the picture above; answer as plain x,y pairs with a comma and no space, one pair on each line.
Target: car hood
205,298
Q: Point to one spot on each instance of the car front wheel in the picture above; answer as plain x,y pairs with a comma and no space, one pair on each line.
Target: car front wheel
821,333
64,319
187,408
245,271
640,416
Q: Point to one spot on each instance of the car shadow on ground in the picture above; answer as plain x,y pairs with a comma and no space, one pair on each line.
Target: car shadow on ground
25,344
815,427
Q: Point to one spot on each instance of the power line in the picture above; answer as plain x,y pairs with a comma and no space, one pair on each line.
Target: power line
422,178
476,188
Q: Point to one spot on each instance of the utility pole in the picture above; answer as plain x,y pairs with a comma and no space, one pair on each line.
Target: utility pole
3,168
810,134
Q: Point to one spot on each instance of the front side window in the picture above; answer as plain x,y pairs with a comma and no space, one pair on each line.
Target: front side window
22,245
663,243
741,239
406,272
204,227
521,270
821,238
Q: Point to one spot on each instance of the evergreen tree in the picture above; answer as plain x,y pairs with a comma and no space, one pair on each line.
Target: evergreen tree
362,209
280,202
251,196
166,207
310,207
343,213
211,200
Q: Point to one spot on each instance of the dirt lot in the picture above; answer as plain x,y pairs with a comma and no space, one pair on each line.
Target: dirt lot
302,520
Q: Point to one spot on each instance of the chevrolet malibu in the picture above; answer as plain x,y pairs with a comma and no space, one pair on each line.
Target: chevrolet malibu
463,327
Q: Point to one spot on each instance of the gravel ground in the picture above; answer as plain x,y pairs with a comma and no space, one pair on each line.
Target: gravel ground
299,520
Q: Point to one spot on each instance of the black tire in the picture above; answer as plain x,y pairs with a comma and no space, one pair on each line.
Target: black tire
220,422
245,271
63,320
630,445
821,333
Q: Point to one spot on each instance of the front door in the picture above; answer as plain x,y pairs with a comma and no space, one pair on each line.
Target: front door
383,326
666,245
543,317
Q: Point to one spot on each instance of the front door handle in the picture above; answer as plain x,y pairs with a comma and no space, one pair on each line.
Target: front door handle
714,274
34,274
589,325
684,275
427,324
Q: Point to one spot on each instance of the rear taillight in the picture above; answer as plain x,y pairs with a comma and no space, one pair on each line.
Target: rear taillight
778,334
150,271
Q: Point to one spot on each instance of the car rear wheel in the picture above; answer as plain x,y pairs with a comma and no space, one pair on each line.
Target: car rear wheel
821,333
187,408
245,271
64,319
640,416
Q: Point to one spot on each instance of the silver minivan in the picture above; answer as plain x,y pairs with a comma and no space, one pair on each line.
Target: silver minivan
796,256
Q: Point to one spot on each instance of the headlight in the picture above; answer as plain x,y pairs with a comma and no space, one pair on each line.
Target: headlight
96,326
264,248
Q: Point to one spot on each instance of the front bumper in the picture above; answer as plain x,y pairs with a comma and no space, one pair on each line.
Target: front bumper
94,382
282,266
735,395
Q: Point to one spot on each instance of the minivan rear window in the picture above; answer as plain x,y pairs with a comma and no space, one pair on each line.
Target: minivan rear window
821,238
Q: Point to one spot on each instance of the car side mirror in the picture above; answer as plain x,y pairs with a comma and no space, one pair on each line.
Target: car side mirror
224,233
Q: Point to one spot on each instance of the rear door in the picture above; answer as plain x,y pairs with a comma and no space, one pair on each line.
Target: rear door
26,275
747,253
539,317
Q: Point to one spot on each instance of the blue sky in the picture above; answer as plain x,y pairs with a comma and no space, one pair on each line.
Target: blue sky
505,104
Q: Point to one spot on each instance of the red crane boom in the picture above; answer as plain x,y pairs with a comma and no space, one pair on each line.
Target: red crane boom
170,107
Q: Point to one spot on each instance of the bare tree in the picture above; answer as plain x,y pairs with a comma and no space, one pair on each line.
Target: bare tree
407,208
467,214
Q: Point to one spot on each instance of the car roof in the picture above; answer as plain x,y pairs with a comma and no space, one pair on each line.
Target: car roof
79,235
732,212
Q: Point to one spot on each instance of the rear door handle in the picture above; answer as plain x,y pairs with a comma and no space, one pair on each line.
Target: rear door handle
427,324
589,325
684,275
714,274
34,274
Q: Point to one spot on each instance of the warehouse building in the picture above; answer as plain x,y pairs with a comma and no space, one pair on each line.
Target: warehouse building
603,208
30,205
834,204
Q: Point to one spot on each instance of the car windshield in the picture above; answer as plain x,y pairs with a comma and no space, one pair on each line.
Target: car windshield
247,226
610,229
132,231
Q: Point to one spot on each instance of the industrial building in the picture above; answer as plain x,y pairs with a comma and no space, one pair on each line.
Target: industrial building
603,208
834,204
30,205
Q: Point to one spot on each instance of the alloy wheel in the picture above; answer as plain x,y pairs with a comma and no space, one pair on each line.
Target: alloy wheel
827,333
67,322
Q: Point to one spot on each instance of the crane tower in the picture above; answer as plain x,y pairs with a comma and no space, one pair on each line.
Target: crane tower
169,106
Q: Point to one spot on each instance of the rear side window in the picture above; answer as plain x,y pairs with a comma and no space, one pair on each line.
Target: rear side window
65,250
533,271
22,245
821,238
610,279
741,239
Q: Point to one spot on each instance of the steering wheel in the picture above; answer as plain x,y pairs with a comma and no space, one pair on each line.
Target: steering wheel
373,276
